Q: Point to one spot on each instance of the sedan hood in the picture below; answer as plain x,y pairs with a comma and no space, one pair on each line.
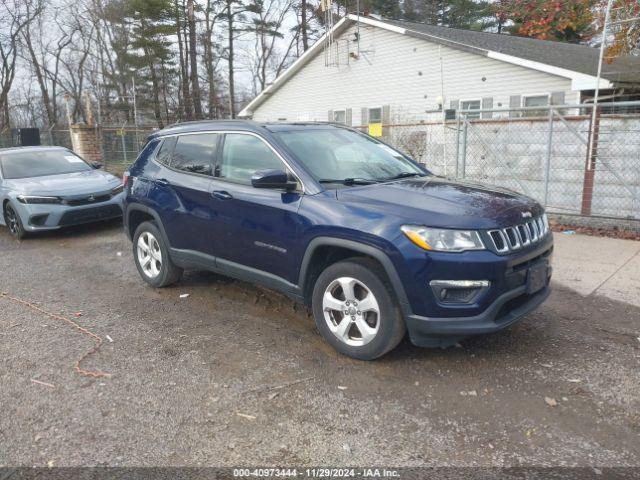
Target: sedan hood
441,202
79,183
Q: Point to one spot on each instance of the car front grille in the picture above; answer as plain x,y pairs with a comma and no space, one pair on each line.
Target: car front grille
86,215
511,239
87,200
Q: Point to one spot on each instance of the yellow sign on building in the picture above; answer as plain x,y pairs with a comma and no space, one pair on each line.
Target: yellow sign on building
375,129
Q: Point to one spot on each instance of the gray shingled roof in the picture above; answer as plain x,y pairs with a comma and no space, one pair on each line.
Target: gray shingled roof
578,58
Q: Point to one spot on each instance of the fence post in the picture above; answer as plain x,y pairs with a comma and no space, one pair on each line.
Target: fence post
590,164
463,166
124,145
549,153
457,145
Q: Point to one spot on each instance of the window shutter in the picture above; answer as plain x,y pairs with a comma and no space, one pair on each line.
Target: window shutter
386,119
349,117
487,104
330,116
364,118
557,98
515,102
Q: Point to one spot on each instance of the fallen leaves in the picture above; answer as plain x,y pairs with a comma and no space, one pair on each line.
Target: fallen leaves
551,401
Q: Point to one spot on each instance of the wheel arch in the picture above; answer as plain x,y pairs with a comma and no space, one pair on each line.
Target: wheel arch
323,251
136,214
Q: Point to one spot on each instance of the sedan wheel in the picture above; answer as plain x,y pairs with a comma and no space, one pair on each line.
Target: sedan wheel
149,255
13,222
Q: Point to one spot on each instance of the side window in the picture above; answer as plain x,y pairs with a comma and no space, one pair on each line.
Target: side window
243,155
375,115
164,154
195,153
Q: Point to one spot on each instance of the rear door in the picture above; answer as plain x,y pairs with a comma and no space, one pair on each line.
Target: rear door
188,212
259,226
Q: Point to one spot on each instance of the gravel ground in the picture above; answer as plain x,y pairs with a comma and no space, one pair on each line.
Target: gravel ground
237,375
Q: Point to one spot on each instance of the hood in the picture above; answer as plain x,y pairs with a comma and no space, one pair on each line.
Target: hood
78,183
441,202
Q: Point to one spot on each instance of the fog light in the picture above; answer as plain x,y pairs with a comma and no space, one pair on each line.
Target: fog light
458,291
38,220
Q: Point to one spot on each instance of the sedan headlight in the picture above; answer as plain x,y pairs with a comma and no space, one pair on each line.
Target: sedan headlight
38,199
443,240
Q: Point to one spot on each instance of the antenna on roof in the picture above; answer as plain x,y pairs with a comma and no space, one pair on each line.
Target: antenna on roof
329,56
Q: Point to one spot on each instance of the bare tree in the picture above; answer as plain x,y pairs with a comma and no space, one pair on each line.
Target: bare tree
14,18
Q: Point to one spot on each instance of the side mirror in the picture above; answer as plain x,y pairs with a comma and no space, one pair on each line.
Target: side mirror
96,165
277,179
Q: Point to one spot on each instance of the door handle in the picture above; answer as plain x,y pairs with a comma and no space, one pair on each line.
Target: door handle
221,194
163,182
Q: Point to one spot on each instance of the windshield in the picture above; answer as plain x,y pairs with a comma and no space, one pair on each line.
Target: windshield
38,163
339,154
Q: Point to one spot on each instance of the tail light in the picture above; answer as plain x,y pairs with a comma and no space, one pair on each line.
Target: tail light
125,178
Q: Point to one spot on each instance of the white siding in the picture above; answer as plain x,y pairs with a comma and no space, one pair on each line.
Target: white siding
402,72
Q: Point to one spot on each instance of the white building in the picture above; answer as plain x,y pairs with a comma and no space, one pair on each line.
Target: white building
384,71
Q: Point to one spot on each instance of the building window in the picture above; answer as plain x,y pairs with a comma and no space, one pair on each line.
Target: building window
535,101
475,104
340,116
375,115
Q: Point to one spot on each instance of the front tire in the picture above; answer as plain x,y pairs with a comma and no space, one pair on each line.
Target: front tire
355,309
13,222
151,255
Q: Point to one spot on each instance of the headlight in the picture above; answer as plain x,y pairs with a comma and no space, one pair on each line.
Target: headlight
37,199
443,240
118,189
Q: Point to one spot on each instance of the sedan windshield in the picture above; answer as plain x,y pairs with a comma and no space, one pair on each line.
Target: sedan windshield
38,163
344,156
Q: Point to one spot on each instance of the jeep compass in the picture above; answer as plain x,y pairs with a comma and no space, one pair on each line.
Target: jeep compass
372,241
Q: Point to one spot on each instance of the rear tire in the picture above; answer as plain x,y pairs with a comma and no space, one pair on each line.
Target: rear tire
357,291
13,222
151,255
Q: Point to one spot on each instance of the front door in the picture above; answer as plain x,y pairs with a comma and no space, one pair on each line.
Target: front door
260,225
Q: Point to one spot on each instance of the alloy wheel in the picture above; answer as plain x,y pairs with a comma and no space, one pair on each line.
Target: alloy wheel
11,218
351,311
149,254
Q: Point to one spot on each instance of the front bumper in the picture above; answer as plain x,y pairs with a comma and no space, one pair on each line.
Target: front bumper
429,332
43,217
510,296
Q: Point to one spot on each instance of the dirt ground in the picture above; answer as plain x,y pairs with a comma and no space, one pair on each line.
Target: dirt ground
236,375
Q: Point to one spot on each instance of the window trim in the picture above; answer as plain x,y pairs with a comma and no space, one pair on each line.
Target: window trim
343,110
216,163
471,99
532,95
378,107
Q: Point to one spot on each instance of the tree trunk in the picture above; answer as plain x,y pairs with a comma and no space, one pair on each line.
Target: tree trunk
232,105
183,54
303,25
195,83
35,64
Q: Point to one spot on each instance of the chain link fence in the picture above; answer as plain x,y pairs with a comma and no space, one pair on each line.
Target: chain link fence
573,162
548,153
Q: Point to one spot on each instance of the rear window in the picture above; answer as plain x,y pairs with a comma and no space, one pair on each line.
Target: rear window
39,163
195,153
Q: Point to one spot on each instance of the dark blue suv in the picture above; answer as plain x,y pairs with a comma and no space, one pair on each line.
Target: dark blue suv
372,241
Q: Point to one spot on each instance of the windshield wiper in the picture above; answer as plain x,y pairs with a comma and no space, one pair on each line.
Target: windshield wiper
350,181
404,175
